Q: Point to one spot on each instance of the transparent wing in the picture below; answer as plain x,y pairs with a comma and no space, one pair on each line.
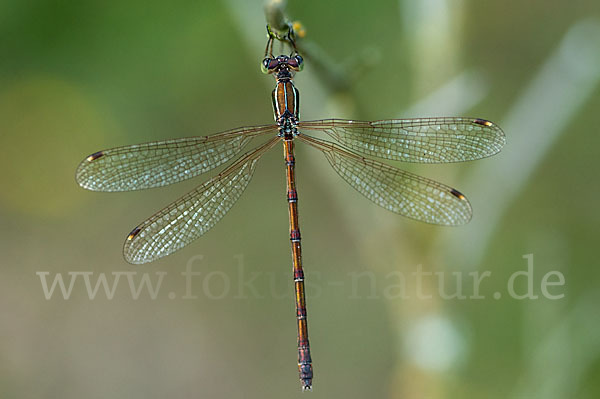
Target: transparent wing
396,190
159,163
426,140
192,215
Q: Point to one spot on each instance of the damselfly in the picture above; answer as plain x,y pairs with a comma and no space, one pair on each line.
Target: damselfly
426,140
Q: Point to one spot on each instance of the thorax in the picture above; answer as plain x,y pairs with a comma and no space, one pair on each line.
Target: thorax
286,104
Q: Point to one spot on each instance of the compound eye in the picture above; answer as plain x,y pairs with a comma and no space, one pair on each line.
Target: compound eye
264,65
296,63
268,65
299,62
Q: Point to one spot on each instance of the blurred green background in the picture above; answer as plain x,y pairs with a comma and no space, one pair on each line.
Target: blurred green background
80,76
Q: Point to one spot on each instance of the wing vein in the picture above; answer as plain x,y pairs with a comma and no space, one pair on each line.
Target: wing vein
396,190
192,215
159,163
425,140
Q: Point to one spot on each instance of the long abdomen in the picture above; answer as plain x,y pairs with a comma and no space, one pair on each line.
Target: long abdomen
304,360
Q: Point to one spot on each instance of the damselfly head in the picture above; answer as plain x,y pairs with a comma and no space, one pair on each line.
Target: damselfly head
270,65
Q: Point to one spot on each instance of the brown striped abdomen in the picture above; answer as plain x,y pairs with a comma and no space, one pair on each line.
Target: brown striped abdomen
286,100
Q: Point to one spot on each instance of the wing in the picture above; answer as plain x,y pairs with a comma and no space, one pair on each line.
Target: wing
396,190
159,163
192,215
426,140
